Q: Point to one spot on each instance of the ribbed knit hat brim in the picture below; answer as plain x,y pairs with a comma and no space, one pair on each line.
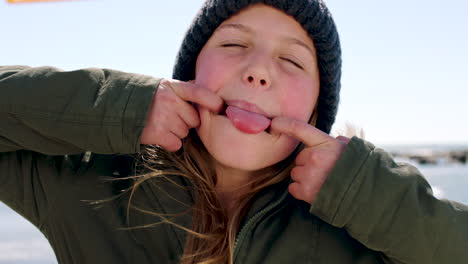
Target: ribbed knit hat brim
314,17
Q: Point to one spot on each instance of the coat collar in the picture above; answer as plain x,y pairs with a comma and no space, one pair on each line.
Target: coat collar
174,199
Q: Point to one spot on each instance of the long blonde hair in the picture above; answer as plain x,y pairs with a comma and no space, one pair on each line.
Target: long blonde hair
212,235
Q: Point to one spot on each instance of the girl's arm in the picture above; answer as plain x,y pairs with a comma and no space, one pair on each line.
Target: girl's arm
55,112
48,111
390,208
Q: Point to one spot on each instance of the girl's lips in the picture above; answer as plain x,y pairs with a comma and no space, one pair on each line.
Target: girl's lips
246,121
247,106
246,117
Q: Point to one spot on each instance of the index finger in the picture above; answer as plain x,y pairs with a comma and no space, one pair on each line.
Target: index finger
196,94
300,130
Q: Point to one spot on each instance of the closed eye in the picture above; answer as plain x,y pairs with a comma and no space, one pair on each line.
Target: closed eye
293,62
227,45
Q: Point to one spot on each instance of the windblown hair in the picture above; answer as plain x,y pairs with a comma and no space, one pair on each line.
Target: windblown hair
212,235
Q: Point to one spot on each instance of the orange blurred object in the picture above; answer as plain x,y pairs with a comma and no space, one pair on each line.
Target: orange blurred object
31,1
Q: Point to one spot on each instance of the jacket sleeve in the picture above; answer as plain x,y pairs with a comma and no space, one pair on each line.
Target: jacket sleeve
55,112
46,113
389,207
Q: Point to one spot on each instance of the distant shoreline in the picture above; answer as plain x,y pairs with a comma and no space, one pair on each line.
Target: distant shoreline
436,154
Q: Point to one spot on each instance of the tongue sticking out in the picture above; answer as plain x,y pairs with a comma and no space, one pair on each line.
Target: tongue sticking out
246,121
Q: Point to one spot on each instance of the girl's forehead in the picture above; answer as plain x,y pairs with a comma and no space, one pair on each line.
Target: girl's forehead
260,14
263,20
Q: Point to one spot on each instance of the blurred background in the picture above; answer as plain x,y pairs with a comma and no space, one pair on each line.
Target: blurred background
405,81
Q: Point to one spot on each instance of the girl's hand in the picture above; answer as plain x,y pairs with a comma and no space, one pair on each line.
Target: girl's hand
315,161
171,114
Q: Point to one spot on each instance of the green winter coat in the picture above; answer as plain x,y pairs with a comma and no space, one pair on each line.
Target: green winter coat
369,210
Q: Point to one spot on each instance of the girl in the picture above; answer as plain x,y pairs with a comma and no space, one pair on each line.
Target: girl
236,164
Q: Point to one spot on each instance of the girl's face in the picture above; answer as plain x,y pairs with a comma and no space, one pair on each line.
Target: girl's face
260,57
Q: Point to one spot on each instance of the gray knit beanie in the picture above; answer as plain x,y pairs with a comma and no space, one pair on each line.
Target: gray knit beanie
314,17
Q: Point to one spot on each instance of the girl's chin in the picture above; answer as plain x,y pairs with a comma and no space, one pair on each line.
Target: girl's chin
236,149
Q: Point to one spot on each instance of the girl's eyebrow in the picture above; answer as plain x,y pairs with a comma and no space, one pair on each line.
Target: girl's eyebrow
239,27
300,43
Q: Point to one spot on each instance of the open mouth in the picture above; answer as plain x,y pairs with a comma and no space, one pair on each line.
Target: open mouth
223,112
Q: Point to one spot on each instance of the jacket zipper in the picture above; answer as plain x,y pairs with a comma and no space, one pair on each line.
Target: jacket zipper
252,221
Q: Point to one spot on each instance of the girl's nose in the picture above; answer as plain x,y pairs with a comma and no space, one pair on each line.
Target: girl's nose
252,80
257,76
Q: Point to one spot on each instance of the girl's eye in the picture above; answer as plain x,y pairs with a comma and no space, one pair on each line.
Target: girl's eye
227,45
293,63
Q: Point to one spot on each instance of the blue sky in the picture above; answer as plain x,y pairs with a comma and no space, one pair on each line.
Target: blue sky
405,68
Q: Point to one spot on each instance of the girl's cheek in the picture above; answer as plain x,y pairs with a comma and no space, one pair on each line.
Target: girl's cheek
297,104
210,72
205,81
